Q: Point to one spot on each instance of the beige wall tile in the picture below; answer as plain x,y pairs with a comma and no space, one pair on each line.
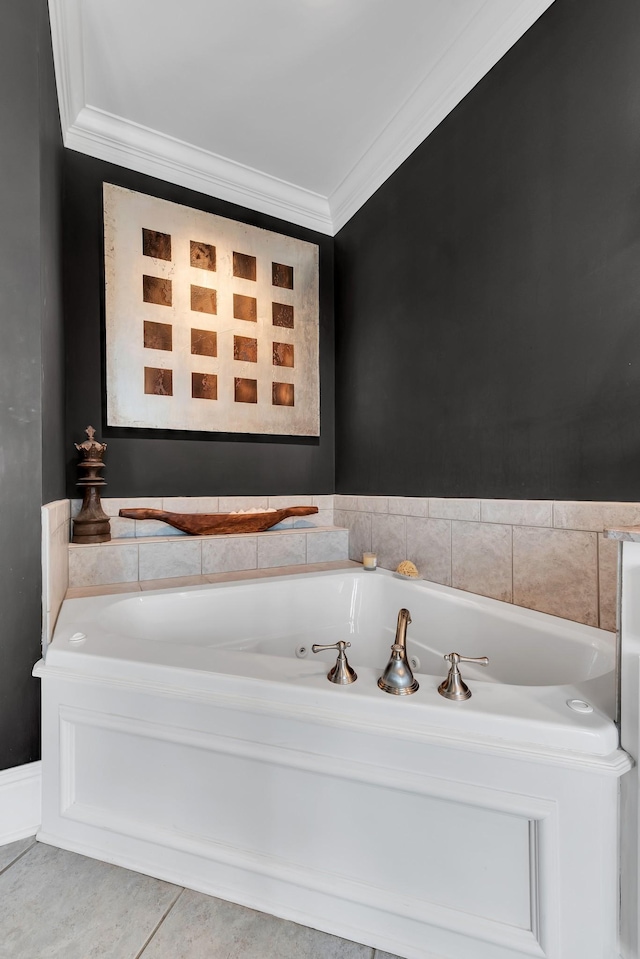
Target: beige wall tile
231,504
408,505
555,571
240,575
282,549
154,539
281,502
122,528
373,504
324,517
103,564
166,560
389,539
45,554
112,506
359,526
61,512
429,547
48,524
228,553
608,581
176,582
154,527
517,512
481,560
58,568
55,563
594,515
190,504
325,547
324,502
50,514
468,509
83,592
345,502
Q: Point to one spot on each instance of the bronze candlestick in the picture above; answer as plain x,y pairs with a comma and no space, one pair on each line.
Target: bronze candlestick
92,524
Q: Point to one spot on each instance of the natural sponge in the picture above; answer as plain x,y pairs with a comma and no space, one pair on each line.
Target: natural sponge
407,568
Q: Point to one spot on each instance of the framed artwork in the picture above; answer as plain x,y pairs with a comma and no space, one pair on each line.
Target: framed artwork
211,324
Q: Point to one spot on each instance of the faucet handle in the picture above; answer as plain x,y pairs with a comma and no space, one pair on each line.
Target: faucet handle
454,686
455,658
341,645
342,674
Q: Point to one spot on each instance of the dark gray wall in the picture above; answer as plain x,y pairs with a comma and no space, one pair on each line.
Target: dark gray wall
488,295
28,249
152,462
52,329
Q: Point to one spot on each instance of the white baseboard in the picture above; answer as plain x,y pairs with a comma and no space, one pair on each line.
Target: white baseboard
20,802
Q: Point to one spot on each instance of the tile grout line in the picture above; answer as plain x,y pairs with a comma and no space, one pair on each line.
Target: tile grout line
139,954
513,597
19,857
598,578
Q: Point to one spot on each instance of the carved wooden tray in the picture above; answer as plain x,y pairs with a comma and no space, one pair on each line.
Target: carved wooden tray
206,524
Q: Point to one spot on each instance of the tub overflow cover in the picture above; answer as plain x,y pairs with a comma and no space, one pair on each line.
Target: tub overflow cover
579,706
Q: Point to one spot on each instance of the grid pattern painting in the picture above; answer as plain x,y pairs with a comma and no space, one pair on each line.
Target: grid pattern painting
212,325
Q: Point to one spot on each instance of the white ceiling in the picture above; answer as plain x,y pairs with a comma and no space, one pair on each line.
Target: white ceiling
297,108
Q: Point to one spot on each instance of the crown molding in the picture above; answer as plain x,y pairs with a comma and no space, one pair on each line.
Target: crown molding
116,140
485,39
68,55
488,36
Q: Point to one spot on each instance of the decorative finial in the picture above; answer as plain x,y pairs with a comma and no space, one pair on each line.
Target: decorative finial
91,448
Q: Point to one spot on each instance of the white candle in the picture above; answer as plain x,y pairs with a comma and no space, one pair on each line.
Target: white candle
369,560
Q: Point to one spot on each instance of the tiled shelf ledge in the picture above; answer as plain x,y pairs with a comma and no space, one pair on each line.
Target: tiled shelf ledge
182,582
123,528
155,558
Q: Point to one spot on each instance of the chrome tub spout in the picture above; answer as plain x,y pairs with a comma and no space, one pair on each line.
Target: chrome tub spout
397,678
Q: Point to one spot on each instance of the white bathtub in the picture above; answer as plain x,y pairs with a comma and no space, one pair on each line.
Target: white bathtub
188,735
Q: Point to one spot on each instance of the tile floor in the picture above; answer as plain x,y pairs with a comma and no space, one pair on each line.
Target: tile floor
58,905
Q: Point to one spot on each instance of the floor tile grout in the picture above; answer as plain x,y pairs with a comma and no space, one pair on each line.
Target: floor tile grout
139,928
158,925
19,857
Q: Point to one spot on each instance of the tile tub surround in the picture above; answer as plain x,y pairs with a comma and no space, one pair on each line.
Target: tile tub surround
155,558
551,556
183,582
55,567
149,550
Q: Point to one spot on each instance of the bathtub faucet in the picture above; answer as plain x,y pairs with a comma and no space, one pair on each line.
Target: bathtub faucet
342,673
454,686
397,677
